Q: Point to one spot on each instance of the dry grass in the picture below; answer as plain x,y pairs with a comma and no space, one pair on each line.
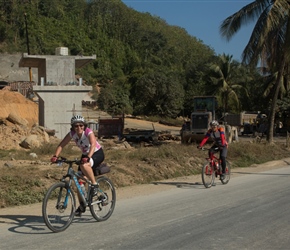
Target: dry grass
24,180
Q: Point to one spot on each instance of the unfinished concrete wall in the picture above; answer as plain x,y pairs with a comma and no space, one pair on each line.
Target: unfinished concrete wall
11,72
58,105
60,70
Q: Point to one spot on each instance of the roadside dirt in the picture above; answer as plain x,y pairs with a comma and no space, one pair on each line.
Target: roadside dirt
8,215
141,124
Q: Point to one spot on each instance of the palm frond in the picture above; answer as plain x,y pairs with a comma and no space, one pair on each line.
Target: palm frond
244,16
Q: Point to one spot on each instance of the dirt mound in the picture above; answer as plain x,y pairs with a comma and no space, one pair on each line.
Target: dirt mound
16,104
17,116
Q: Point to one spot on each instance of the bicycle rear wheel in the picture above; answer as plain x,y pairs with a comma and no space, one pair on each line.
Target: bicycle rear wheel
227,174
207,175
58,207
103,202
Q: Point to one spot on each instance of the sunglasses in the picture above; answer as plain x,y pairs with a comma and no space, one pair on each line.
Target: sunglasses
78,125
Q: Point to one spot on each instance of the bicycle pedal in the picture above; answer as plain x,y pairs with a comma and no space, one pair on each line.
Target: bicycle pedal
104,200
105,203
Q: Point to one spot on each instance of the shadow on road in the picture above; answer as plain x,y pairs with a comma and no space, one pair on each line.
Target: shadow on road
29,224
24,224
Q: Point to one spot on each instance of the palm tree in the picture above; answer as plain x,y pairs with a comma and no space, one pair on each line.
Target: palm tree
222,75
268,42
270,80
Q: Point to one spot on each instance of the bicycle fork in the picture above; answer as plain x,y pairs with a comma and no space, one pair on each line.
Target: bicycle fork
59,204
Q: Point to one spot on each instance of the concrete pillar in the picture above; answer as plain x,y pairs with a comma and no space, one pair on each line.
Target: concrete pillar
57,104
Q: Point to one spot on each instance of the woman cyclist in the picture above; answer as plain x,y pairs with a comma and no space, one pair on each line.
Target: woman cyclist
217,133
92,152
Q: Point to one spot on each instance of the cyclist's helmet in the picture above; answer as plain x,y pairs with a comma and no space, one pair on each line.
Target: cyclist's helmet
214,123
77,118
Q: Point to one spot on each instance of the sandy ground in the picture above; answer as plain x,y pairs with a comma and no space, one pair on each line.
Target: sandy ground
140,124
7,215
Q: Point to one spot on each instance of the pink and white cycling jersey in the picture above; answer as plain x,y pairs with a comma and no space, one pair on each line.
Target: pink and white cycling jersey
83,143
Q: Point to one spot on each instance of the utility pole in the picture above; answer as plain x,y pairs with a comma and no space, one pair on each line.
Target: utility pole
27,43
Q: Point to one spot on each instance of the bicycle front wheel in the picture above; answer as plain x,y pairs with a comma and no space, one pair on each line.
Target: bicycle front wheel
227,174
103,202
207,175
58,207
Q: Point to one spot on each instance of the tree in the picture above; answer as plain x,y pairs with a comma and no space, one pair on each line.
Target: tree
114,98
158,94
225,84
269,42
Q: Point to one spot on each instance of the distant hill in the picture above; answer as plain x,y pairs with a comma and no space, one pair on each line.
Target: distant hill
138,55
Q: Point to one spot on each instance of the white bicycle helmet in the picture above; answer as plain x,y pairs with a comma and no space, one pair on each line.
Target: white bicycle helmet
77,118
214,123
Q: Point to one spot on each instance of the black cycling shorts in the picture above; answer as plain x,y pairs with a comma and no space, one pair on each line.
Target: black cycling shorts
98,158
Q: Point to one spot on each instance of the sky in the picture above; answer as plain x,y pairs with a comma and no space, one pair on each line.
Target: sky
201,19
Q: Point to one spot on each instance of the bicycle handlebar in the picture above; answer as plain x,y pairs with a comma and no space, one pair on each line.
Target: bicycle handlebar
61,160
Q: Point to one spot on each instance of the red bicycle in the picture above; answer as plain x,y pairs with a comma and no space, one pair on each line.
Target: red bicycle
212,169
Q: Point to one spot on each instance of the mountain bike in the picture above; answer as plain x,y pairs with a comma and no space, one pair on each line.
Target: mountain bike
59,203
212,169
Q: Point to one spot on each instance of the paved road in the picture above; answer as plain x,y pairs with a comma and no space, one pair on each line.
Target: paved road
251,212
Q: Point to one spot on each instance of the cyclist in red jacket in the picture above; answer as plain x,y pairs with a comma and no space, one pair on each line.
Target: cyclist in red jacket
217,133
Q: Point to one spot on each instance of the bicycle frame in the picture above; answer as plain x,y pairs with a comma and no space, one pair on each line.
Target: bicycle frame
213,159
213,169
59,203
73,175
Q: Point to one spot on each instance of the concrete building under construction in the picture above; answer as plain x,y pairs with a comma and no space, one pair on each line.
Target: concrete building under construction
60,95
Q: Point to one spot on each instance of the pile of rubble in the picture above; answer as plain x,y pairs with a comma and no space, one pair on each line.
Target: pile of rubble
19,122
